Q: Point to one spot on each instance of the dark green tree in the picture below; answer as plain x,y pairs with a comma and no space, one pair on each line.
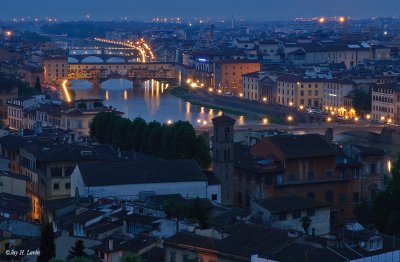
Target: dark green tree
167,143
176,141
174,209
202,153
362,101
386,207
47,247
138,134
120,136
102,126
78,250
130,257
184,139
38,86
155,137
305,223
199,213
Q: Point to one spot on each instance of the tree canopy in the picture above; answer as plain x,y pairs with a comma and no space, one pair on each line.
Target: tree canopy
174,141
362,101
78,250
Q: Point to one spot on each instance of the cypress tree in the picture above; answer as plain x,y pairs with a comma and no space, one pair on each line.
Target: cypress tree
47,246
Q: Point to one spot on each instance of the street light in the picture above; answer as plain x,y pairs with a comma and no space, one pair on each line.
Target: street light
321,20
329,119
264,99
290,103
210,89
265,120
169,122
368,117
290,118
342,19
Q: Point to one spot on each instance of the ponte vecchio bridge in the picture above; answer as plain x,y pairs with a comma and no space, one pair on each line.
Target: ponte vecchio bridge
116,59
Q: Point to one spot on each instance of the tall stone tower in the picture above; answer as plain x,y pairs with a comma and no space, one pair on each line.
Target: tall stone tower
223,145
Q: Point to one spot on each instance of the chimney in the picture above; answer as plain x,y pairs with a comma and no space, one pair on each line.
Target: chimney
329,135
110,244
249,137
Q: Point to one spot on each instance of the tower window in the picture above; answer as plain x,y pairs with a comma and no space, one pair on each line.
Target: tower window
227,134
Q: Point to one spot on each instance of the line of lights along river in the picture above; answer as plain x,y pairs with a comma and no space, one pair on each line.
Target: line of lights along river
149,100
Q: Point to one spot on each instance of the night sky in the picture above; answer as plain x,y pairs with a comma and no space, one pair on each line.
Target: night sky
220,9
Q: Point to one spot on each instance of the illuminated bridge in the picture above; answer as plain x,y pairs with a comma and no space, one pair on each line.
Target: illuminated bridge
99,72
114,52
116,59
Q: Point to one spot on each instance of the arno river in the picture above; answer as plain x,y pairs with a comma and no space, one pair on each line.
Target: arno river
149,100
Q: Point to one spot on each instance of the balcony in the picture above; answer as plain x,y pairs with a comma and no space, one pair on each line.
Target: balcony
313,181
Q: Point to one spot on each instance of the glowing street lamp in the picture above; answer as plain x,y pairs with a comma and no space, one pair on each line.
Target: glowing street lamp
290,103
389,121
219,91
265,120
301,107
342,19
8,33
169,122
382,118
264,99
368,117
290,118
321,20
329,119
241,94
210,89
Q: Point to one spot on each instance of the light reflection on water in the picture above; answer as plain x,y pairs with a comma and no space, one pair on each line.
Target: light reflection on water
146,99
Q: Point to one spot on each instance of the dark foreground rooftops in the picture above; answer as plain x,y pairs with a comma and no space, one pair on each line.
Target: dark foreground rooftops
295,146
140,172
290,204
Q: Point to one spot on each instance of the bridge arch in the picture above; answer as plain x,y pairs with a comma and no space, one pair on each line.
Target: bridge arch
92,59
116,59
72,60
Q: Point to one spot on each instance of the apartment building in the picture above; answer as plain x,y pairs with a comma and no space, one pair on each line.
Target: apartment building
55,69
299,91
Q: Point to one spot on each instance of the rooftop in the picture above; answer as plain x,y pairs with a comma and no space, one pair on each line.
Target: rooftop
140,172
290,204
297,146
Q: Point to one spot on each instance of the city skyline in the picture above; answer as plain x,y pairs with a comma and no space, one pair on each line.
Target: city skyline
251,9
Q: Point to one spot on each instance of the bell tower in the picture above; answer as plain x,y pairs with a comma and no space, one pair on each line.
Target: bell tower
222,156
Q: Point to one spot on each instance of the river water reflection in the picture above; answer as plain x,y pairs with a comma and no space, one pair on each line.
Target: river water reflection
149,100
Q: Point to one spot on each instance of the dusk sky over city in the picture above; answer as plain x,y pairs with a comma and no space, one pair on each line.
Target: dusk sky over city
254,9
